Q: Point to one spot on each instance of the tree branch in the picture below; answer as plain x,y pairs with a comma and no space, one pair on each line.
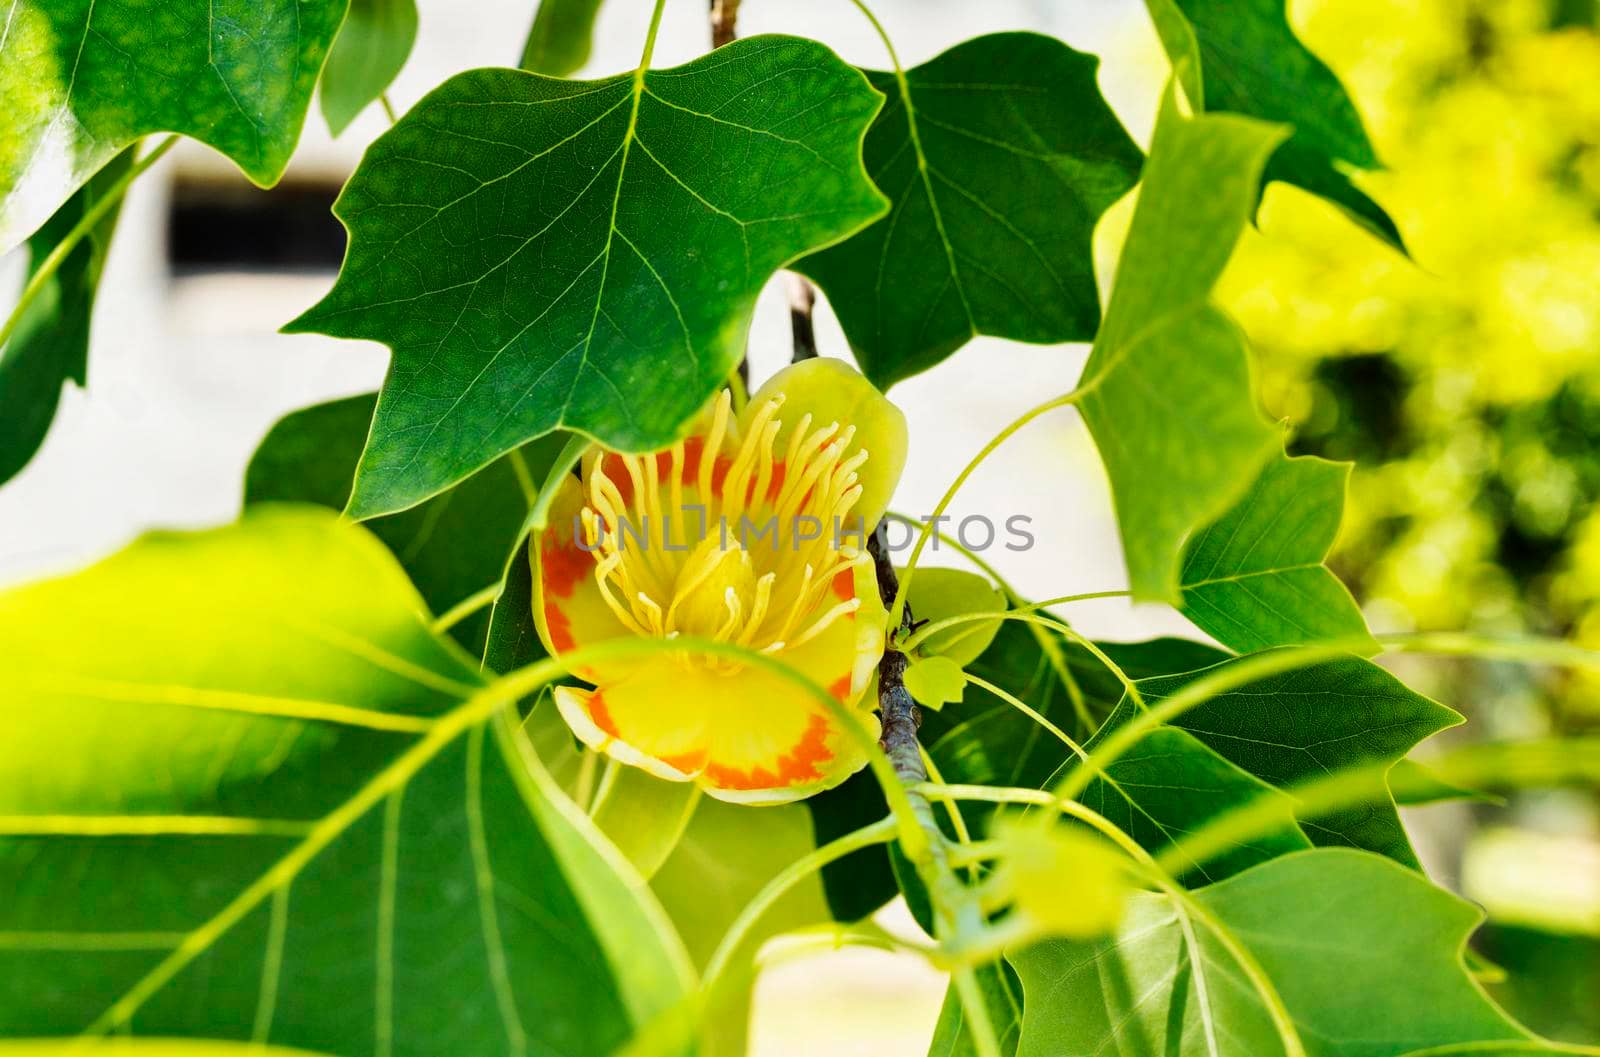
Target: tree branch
724,17
802,298
900,715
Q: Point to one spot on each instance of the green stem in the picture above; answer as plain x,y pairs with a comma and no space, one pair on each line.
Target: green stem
936,626
92,216
961,479
388,107
466,607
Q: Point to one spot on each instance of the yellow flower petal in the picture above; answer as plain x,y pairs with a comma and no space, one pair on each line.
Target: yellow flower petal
833,391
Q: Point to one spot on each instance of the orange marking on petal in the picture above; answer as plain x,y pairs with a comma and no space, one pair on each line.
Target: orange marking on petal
602,715
558,627
686,762
844,584
561,567
777,482
719,473
617,470
691,459
797,765
841,688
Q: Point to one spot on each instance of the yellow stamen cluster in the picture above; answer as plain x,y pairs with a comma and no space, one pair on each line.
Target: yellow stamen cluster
744,552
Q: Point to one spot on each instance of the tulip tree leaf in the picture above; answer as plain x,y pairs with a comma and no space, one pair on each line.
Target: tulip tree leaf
935,594
584,254
50,346
1166,392
1169,782
1002,994
1255,577
292,816
1304,724
999,156
1241,56
1365,956
372,46
453,546
82,79
562,35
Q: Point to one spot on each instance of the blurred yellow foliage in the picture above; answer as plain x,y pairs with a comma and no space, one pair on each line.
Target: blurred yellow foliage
1466,384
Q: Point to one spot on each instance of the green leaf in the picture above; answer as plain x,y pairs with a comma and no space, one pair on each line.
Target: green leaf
83,79
561,37
1366,957
50,346
293,816
1416,783
1169,783
1255,577
1002,995
584,254
644,816
999,156
938,593
935,681
726,856
144,1048
452,546
372,46
1166,391
1307,723
1241,56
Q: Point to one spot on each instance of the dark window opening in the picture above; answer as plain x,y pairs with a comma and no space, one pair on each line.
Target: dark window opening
215,226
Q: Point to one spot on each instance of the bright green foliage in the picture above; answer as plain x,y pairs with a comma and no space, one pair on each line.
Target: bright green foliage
82,79
543,253
935,681
999,156
938,593
291,817
1312,722
1166,391
372,45
1365,956
1241,56
146,1048
561,37
50,346
451,547
1255,577
1002,996
1169,783
724,858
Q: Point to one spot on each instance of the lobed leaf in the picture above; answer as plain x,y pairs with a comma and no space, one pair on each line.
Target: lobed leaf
1241,56
83,79
50,346
999,156
1324,925
561,37
372,46
1255,578
1313,721
546,254
292,815
1166,391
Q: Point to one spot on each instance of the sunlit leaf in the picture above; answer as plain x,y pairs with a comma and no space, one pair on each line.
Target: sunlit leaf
1244,58
1167,387
724,858
561,37
293,816
1255,577
999,156
1310,722
543,253
453,546
50,346
935,681
938,593
372,45
1365,956
82,79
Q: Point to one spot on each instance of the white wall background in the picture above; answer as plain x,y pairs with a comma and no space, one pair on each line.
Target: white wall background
186,375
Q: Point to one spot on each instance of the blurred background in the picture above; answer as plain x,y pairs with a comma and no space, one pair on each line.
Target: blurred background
1464,383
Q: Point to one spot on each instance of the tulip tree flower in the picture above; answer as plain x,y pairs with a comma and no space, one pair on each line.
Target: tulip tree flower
751,531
